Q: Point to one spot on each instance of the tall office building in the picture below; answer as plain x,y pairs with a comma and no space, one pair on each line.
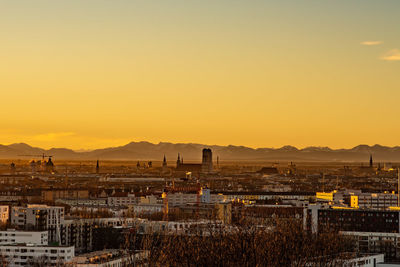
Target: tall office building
206,164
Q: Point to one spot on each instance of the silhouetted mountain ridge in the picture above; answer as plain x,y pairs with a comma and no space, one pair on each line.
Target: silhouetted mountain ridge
192,152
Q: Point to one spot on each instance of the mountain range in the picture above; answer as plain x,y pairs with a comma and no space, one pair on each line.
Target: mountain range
192,152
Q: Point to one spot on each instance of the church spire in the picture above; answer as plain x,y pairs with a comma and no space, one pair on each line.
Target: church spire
371,163
97,167
178,162
164,161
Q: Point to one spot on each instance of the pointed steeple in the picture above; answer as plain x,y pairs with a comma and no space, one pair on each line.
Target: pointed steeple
371,163
178,162
164,161
97,167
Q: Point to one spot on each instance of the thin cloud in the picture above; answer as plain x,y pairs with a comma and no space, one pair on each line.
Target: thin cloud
392,55
369,43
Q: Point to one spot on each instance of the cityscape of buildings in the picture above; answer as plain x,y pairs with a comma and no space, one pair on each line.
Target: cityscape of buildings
199,133
84,213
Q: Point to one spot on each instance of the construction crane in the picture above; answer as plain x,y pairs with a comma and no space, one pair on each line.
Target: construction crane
43,155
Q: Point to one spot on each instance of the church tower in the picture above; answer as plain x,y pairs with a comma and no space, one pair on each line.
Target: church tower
371,163
164,165
207,165
178,162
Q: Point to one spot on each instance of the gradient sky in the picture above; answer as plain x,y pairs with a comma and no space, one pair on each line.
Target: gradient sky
98,73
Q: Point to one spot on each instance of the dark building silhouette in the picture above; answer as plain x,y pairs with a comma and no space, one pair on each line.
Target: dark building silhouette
268,171
207,165
371,163
178,161
164,165
358,220
33,165
12,168
49,166
97,167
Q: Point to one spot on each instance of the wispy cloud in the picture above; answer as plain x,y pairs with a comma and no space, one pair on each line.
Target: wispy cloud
392,55
52,136
371,43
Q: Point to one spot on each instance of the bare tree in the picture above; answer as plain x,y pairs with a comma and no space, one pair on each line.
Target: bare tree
284,244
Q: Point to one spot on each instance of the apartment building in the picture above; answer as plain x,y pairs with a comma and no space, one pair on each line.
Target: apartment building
17,255
39,217
12,236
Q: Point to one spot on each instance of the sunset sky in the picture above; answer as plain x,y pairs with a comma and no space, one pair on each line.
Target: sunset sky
97,73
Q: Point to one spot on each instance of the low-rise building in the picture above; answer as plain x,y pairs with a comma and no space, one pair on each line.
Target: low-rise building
17,255
138,209
122,199
54,194
12,236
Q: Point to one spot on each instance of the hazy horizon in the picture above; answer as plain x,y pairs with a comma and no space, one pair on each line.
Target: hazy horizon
196,143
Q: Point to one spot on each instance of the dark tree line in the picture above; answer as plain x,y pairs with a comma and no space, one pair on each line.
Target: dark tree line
285,244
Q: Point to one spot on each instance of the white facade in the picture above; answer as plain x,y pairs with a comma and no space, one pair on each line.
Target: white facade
39,217
366,261
144,209
83,201
23,216
22,255
130,199
177,199
12,236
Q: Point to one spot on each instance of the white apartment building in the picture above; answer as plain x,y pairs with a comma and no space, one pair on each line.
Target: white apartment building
205,196
358,199
39,217
122,199
17,255
144,209
12,236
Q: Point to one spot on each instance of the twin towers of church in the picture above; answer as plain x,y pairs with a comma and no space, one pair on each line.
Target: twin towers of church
206,165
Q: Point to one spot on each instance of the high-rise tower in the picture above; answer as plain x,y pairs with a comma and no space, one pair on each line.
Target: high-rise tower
206,164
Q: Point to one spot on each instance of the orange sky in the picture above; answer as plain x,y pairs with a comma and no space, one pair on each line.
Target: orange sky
88,74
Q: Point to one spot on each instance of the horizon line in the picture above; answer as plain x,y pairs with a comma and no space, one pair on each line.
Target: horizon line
82,150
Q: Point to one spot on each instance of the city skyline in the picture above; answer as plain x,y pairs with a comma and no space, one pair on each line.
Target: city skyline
94,74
